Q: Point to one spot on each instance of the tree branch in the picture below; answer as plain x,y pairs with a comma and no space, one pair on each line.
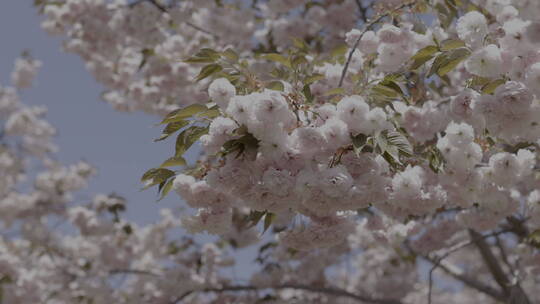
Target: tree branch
362,10
133,271
513,292
456,274
491,261
325,290
470,282
163,9
367,27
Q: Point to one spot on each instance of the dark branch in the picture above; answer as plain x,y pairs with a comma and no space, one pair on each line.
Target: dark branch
325,290
513,292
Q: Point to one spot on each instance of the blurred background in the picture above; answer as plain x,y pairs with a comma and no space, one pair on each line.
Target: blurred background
120,145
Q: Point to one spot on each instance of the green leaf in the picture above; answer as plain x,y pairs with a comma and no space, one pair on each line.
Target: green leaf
437,63
166,189
298,60
300,44
277,58
173,162
389,82
231,55
205,55
195,59
359,142
276,86
208,70
450,44
307,93
268,219
188,137
534,238
254,217
384,91
492,86
207,52
423,55
181,114
392,144
155,176
339,51
400,141
478,81
315,77
336,91
246,142
213,112
171,128
454,58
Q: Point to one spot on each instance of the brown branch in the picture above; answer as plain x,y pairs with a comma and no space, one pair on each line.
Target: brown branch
450,269
491,261
202,30
163,9
367,27
325,290
512,292
133,271
465,279
362,10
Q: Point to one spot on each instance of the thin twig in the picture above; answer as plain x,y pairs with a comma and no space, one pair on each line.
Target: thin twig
133,271
201,29
164,10
158,6
502,251
362,10
326,290
470,282
367,27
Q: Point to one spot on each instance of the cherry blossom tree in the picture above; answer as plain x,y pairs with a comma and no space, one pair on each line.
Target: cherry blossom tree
373,151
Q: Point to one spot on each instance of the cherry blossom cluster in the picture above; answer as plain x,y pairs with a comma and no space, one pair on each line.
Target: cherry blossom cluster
136,48
56,249
411,137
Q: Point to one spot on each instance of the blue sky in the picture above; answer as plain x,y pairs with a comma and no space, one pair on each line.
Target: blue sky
119,144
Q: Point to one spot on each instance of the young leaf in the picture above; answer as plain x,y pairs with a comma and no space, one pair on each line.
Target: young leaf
492,86
437,63
213,112
180,114
400,141
278,58
307,93
268,219
254,217
276,86
423,56
450,44
315,77
359,142
208,70
336,91
166,189
188,137
230,54
173,162
156,176
171,128
454,58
